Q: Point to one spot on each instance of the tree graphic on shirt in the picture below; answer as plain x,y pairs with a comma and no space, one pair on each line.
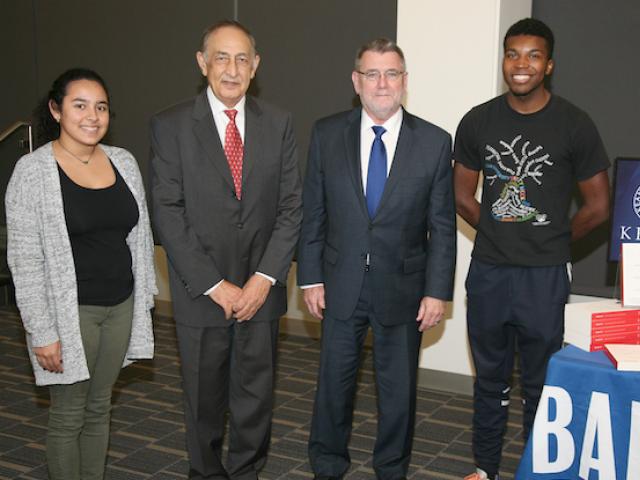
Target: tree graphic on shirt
514,164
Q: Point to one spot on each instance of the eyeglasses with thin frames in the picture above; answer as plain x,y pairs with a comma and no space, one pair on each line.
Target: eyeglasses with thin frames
375,75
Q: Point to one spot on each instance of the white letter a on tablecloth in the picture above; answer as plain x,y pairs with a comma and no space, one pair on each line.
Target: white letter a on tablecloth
598,424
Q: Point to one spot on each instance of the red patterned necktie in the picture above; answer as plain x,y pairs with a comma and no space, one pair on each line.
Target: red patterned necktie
233,150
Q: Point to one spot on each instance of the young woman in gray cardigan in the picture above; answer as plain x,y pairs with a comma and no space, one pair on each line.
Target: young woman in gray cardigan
80,252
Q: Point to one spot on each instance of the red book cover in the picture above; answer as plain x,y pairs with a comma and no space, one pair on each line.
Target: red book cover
613,322
596,347
599,344
632,337
607,316
615,330
613,317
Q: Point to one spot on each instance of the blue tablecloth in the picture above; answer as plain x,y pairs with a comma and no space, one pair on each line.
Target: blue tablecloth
588,421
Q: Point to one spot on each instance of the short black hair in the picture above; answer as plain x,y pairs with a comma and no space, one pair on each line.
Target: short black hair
531,26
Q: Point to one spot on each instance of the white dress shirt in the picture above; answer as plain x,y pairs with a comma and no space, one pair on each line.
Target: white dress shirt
367,136
222,120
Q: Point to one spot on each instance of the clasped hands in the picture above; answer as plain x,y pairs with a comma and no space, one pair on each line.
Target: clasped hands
241,303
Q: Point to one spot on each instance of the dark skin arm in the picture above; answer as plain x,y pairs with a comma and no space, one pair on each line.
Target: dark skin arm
465,184
595,207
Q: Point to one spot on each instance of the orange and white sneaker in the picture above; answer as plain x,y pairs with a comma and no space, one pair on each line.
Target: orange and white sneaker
479,475
475,476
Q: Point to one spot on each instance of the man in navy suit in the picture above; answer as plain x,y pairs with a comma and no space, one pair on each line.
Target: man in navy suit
377,250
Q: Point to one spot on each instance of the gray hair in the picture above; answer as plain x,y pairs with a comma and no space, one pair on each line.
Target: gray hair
222,24
379,45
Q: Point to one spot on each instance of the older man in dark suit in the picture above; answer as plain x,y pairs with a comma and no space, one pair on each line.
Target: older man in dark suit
227,209
377,249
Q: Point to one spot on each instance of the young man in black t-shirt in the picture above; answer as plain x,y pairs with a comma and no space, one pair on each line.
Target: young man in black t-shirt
531,146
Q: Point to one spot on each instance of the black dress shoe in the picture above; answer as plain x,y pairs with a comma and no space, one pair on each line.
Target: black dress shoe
325,477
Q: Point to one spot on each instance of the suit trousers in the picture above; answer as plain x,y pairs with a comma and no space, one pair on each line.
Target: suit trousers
508,306
395,358
228,369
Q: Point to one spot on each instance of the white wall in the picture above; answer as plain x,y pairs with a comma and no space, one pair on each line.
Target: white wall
453,51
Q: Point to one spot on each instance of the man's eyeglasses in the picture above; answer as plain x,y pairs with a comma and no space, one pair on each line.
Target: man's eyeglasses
389,75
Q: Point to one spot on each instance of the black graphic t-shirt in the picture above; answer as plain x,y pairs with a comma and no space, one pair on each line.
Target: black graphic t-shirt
530,164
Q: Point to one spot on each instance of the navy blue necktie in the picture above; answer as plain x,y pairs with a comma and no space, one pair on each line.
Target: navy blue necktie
377,172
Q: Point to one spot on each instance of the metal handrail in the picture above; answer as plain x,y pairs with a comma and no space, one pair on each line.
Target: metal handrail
15,126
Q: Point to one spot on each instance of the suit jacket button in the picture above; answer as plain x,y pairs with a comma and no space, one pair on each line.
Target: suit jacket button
239,225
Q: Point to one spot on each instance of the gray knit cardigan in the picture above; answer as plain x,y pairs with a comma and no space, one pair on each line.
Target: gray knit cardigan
41,262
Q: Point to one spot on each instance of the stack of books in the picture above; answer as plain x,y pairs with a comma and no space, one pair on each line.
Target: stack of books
591,325
624,357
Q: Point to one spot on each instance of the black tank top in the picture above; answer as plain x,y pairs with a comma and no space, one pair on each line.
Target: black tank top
98,222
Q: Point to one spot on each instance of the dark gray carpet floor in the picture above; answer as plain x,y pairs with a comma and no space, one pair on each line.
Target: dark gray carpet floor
147,434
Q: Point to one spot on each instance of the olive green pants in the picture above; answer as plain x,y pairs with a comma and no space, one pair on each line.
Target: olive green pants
79,413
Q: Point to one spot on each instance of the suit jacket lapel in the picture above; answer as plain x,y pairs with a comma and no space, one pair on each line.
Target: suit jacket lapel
252,137
352,148
205,131
401,158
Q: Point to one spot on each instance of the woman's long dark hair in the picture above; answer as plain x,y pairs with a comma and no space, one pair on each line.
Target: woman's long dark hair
46,128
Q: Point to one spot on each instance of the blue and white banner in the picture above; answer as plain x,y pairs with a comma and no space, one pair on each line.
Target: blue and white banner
588,422
625,224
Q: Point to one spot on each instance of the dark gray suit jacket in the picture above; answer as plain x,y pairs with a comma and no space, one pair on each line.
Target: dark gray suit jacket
411,242
207,233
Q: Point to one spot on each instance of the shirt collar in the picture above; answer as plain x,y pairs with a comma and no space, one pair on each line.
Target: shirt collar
392,125
218,107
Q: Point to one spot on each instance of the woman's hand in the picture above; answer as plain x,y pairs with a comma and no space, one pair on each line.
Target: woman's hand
50,357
